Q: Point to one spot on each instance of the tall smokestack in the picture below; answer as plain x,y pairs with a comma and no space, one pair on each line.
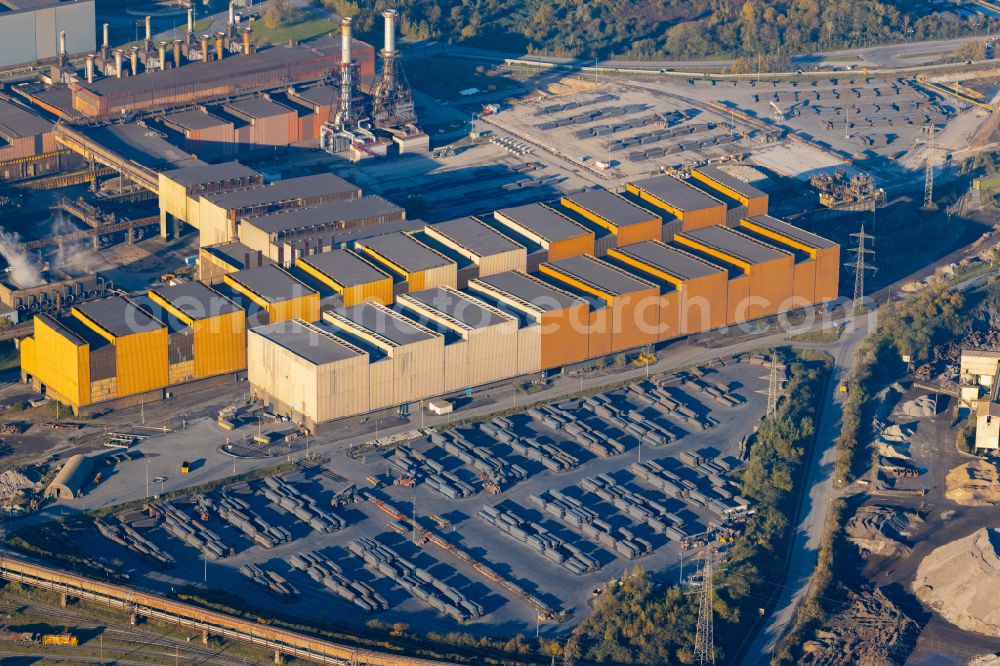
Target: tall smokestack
163,55
107,42
133,55
390,29
90,68
62,42
177,53
345,41
204,48
246,41
118,63
149,29
232,13
218,44
190,20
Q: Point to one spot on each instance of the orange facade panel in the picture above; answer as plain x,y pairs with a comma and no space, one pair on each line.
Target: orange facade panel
738,299
571,247
564,336
635,319
601,332
827,274
703,304
669,316
636,233
771,285
804,289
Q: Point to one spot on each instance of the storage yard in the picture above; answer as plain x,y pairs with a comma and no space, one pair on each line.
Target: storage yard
514,515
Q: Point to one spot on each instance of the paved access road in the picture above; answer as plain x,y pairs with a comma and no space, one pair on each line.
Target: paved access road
815,505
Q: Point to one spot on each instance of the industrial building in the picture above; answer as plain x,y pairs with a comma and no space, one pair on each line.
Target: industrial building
356,280
721,183
628,222
558,235
215,261
180,190
626,309
693,291
195,82
275,293
554,323
480,340
116,351
488,249
406,359
817,259
27,144
409,261
217,215
289,233
202,134
761,278
694,208
306,369
30,29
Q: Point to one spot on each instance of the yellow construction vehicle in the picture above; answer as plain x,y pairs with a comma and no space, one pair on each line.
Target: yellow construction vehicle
643,360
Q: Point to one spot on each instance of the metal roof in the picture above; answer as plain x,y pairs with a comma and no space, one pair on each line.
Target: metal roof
671,260
17,122
283,190
475,236
611,207
600,275
466,310
318,95
677,194
730,181
332,213
196,300
194,120
345,268
383,323
543,221
59,324
405,251
119,316
529,289
316,343
258,107
735,244
194,176
793,232
271,283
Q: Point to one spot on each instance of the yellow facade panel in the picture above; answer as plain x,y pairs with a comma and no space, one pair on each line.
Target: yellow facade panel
141,362
220,344
61,365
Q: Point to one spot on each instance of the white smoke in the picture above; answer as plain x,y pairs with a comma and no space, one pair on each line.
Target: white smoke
23,272
73,258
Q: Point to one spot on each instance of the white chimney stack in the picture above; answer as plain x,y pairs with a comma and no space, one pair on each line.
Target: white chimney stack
345,41
90,68
118,63
149,28
390,30
232,13
107,42
62,42
190,20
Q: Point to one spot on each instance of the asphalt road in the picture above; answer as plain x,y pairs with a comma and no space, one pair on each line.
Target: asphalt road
909,54
815,505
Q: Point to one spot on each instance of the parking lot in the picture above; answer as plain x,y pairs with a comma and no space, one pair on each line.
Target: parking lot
517,517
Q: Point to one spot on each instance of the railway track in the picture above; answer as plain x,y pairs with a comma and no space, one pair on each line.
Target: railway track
257,632
126,638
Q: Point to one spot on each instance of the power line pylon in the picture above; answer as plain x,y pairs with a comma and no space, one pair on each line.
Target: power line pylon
929,173
772,387
860,265
704,641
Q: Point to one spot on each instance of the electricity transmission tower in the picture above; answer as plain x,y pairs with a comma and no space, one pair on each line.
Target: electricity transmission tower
704,641
860,265
772,387
929,173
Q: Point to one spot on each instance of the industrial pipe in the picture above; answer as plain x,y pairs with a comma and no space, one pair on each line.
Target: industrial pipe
218,44
118,63
90,68
107,43
246,41
190,20
232,13
149,28
204,48
163,55
177,53
134,58
390,29
345,41
62,42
